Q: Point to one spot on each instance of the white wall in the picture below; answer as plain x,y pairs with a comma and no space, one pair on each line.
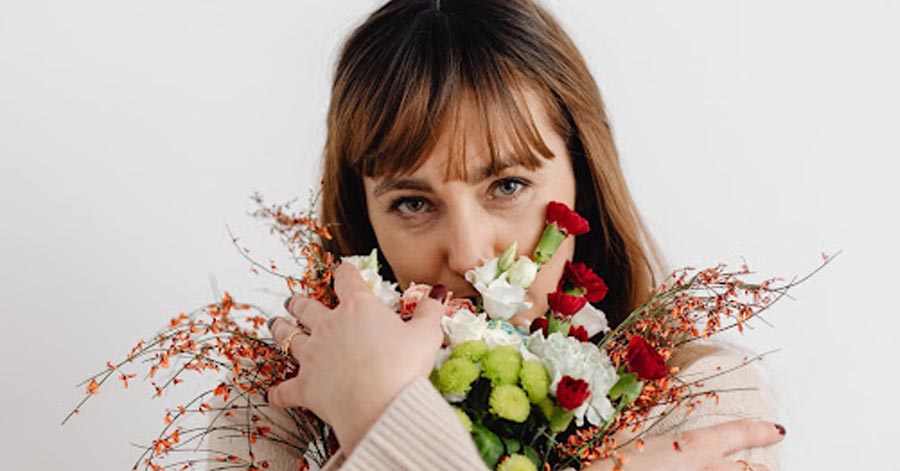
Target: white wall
132,132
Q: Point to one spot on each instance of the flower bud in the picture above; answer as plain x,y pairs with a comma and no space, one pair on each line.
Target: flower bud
523,272
506,259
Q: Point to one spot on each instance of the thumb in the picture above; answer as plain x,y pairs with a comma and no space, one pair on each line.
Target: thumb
430,310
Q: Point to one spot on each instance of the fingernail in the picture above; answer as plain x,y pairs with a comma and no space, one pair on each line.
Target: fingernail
291,374
780,429
438,292
270,322
265,395
287,303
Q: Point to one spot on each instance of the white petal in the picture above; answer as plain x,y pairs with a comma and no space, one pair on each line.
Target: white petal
592,319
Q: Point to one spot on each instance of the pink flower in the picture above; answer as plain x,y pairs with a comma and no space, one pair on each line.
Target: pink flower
411,297
455,305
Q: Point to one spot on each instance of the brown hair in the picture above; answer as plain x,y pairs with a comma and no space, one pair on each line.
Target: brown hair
399,81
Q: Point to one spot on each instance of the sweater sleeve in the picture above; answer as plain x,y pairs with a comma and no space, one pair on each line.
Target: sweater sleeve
418,430
744,394
283,447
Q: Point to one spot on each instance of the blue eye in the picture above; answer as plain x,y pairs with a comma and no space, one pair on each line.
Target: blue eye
510,186
415,205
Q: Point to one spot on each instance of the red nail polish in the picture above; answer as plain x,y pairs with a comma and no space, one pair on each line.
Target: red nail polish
438,292
780,429
291,374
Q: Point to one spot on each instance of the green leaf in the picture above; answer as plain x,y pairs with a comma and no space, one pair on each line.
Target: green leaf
512,445
488,443
628,388
558,325
533,456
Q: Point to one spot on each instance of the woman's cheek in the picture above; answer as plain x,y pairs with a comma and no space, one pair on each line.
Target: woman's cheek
416,265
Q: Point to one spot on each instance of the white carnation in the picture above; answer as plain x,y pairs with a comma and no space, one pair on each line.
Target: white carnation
568,356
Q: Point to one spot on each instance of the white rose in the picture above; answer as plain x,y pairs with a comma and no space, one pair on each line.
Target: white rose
483,274
464,326
362,262
592,319
522,272
368,269
502,300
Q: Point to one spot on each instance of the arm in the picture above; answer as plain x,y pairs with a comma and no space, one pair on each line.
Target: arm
419,430
754,401
224,440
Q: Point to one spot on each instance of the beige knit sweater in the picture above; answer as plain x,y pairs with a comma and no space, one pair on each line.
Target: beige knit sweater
420,431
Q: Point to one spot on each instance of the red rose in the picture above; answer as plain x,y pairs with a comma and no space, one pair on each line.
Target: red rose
644,360
578,332
568,221
579,275
571,392
566,305
539,323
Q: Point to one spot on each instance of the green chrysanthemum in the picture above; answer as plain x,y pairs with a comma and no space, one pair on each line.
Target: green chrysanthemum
433,377
456,376
535,380
510,402
464,418
472,350
546,405
501,365
516,462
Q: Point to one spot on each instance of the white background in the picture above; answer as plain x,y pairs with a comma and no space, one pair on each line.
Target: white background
132,132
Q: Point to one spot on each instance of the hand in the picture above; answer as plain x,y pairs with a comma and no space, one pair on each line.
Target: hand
358,356
701,449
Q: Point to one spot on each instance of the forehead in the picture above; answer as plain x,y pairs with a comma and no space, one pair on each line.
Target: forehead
475,143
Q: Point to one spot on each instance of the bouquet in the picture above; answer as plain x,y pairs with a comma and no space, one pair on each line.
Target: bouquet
549,396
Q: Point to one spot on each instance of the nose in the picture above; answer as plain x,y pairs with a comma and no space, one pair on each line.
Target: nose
470,237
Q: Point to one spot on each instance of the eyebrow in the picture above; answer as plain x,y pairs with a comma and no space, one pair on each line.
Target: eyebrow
474,178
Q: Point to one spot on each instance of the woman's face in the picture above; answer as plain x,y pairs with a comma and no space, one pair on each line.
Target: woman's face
431,230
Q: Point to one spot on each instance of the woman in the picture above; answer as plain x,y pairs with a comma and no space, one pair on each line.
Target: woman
451,126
